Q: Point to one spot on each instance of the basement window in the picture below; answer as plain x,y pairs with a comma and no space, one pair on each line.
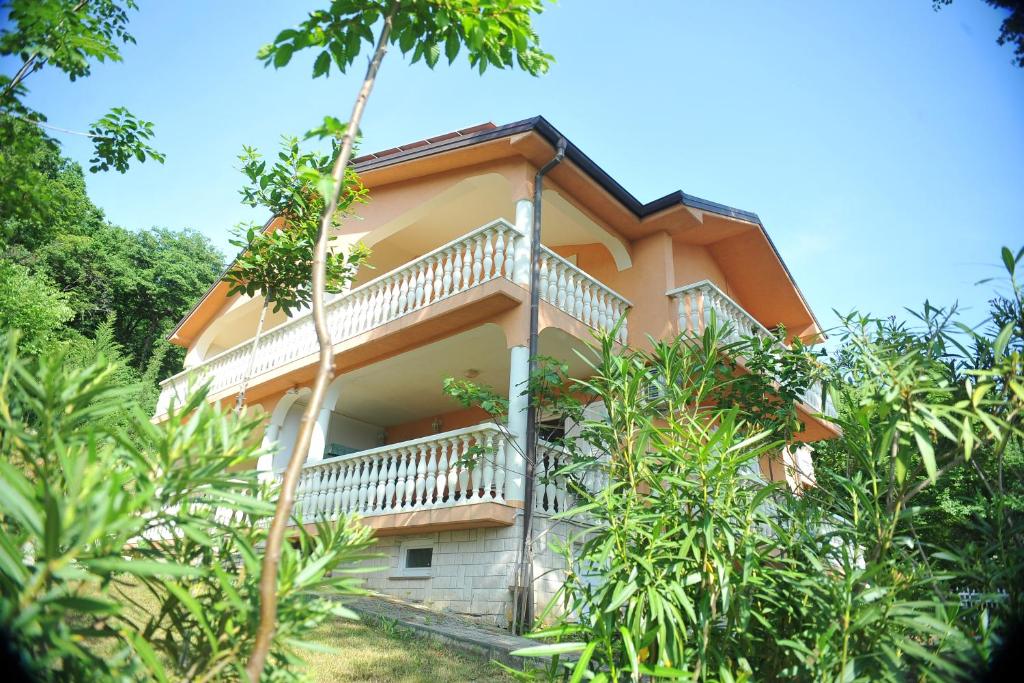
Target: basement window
415,559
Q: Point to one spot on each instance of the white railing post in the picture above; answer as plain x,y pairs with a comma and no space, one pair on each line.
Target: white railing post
523,226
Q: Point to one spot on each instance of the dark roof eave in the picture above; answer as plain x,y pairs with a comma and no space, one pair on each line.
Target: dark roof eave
543,127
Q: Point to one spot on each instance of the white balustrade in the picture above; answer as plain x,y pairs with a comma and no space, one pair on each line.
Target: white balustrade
550,491
695,304
469,261
582,296
460,467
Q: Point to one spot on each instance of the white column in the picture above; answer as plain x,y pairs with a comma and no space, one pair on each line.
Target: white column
524,226
519,373
318,444
265,463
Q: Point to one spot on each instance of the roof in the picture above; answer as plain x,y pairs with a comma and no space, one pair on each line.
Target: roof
485,132
488,131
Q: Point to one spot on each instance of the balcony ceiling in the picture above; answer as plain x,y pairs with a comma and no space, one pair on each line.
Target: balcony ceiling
409,386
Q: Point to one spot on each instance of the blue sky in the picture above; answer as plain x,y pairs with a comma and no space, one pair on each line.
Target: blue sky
881,143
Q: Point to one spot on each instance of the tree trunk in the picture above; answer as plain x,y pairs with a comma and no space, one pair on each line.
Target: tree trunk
240,399
286,499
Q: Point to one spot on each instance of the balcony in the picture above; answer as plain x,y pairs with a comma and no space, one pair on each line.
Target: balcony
696,303
453,479
495,251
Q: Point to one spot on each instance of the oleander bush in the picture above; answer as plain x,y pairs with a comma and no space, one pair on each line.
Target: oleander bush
696,568
93,522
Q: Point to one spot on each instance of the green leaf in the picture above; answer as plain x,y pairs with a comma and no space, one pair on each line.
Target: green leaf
113,565
1008,260
322,65
451,46
924,445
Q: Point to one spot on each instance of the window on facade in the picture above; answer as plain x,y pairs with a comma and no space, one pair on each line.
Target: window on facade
418,558
552,429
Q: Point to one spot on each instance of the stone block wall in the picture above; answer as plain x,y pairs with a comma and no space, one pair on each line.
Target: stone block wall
472,570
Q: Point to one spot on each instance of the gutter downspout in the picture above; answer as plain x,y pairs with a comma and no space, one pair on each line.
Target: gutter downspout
523,610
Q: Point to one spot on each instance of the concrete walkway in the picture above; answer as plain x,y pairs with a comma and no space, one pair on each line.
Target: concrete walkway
462,633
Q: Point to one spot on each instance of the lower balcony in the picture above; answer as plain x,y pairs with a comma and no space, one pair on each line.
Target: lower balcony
697,303
452,480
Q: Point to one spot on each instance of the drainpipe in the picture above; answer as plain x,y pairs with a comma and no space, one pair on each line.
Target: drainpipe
523,610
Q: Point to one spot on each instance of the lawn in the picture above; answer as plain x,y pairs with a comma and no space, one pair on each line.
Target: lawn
373,649
387,654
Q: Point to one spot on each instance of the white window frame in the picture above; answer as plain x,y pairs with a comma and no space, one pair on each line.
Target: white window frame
417,544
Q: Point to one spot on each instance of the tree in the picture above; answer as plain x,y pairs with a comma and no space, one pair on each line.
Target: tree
497,33
44,192
1012,29
275,263
32,304
68,35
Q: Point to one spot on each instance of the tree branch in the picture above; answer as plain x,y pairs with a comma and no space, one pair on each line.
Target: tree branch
286,499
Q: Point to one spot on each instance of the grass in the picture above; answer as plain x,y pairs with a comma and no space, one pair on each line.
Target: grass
377,650
392,655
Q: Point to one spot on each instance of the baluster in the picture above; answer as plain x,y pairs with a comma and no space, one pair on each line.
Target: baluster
389,483
553,270
549,486
588,306
499,252
474,475
320,504
382,478
561,288
543,276
300,492
346,488
499,468
371,485
478,258
438,278
624,329
441,481
453,469
410,480
400,480
420,282
394,300
403,304
561,492
446,279
428,282
463,469
334,501
467,266
705,305
431,480
510,253
457,270
577,309
385,301
363,308
364,486
421,474
488,256
487,480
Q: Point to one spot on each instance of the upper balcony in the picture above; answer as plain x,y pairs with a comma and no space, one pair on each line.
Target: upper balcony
471,278
697,302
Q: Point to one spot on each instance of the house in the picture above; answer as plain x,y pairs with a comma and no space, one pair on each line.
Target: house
448,295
